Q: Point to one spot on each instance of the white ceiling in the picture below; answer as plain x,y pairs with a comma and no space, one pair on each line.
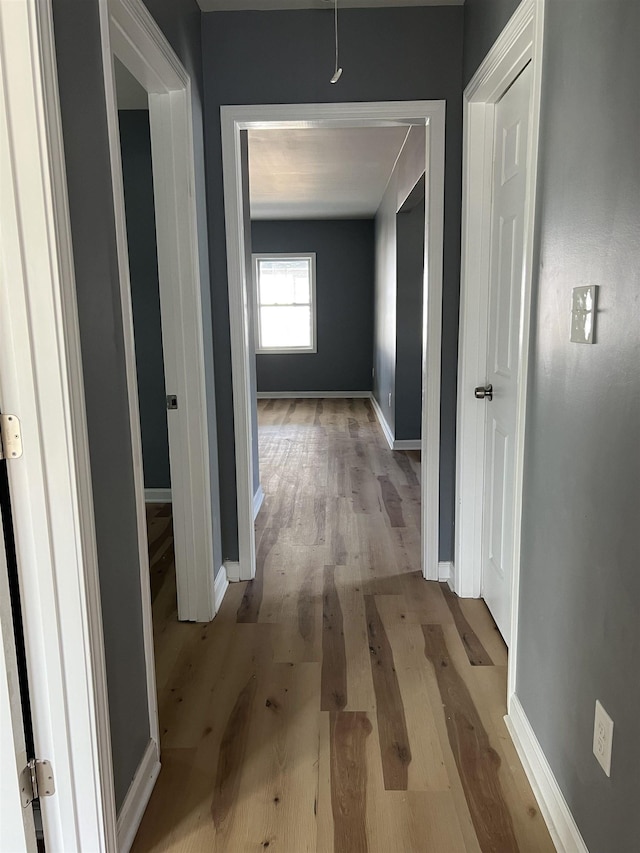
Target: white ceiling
266,5
321,173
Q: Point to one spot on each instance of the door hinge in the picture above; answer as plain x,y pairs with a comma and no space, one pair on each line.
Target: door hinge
36,781
10,437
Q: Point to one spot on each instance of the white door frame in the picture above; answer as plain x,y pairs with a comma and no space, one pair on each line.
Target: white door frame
235,119
52,501
519,43
41,381
137,41
17,826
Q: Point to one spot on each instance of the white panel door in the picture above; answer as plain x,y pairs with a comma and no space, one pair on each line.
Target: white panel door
507,237
17,832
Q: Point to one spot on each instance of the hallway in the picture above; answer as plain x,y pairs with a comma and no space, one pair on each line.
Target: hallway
338,702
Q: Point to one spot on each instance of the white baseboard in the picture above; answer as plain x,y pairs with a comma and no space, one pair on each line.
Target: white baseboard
445,572
137,797
407,444
257,501
220,587
311,395
157,496
232,570
386,429
553,806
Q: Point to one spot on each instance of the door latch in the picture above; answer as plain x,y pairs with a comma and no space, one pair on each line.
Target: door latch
10,437
172,401
484,392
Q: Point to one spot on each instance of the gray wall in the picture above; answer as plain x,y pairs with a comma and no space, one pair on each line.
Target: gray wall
93,229
253,382
579,633
180,21
81,82
344,297
484,20
135,143
286,57
389,314
410,264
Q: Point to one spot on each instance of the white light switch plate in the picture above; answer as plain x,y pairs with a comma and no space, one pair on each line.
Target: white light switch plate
583,314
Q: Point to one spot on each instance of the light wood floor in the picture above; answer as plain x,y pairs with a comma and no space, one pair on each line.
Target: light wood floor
338,702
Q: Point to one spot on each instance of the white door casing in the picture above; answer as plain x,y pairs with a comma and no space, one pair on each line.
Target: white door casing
234,119
17,830
133,36
520,43
51,493
505,287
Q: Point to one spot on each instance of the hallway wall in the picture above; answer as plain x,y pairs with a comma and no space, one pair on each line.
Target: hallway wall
344,300
409,167
579,634
135,142
88,169
286,57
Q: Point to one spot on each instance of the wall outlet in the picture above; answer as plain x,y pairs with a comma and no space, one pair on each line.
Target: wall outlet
389,397
603,738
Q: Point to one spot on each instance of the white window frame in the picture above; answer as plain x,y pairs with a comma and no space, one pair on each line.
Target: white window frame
270,256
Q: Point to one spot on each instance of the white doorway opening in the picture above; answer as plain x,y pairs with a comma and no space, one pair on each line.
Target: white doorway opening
149,59
235,119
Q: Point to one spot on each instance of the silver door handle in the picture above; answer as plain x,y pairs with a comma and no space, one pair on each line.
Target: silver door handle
484,393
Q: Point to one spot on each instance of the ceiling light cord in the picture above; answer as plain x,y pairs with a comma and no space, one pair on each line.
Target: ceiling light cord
338,71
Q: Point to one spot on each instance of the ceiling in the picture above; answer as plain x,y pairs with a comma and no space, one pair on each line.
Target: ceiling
321,173
265,5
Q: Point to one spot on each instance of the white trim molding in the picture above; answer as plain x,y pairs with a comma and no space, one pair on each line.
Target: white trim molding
313,395
258,499
445,571
41,381
520,43
137,797
133,36
553,806
221,586
394,443
232,570
234,119
406,444
157,496
384,426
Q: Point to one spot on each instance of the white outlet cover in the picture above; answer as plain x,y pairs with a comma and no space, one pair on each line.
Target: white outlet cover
583,314
603,738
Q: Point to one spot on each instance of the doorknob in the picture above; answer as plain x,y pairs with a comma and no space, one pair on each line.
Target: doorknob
484,393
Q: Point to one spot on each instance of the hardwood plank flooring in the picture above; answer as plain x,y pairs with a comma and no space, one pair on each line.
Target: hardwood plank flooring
338,703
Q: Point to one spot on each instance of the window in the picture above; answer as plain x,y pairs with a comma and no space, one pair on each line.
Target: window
285,302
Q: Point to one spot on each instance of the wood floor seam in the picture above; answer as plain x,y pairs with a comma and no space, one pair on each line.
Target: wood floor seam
338,703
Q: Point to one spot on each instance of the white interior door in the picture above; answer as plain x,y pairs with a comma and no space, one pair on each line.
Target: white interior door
17,831
506,268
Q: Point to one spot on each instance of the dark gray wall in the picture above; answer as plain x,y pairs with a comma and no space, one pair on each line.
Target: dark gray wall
344,298
180,21
78,53
579,633
135,143
483,22
253,381
410,262
81,82
286,57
